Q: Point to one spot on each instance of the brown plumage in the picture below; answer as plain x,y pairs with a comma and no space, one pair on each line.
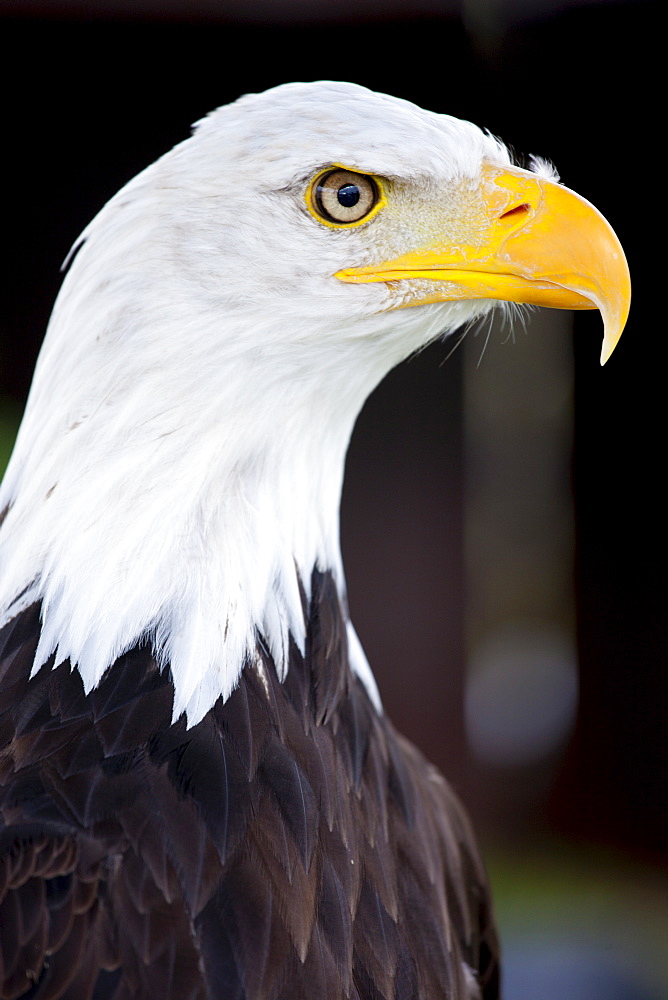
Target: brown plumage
290,844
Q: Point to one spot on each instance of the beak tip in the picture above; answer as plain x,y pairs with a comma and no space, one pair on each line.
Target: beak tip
610,341
614,317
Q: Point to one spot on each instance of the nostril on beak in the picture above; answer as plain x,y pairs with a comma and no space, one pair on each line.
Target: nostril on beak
518,210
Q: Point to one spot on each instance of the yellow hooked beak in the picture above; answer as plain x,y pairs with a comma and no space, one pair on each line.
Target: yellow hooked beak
526,239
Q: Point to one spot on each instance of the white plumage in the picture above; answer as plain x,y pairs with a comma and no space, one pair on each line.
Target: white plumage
200,379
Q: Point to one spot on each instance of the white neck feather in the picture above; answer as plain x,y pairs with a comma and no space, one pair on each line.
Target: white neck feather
186,511
141,516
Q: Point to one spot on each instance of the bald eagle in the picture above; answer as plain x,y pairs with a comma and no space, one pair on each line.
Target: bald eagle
201,796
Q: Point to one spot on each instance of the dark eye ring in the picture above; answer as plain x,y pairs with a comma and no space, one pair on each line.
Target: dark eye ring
341,196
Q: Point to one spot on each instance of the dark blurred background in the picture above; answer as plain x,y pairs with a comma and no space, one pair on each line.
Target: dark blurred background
504,510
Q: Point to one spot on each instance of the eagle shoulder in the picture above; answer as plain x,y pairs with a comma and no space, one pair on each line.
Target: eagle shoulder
289,843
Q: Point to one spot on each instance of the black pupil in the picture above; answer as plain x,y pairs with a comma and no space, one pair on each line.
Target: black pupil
348,195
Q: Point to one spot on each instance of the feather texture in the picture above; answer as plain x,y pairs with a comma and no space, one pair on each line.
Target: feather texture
288,844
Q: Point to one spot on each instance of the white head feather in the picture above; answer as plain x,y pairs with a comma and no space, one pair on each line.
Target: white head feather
179,467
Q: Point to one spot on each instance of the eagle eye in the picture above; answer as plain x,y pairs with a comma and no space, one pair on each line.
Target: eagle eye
344,197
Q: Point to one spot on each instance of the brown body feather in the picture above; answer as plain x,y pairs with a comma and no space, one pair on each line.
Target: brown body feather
288,847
